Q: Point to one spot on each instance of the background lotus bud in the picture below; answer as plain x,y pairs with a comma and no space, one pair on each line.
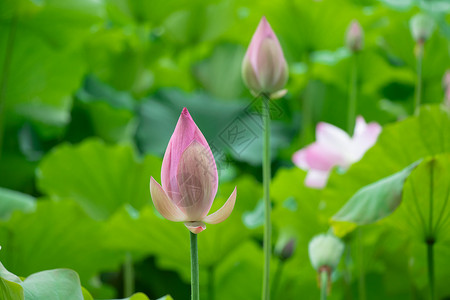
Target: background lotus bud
325,250
354,38
264,68
189,179
288,249
422,27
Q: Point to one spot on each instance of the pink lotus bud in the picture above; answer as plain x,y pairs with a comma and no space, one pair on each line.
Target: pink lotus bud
422,27
264,68
446,80
354,38
334,147
189,179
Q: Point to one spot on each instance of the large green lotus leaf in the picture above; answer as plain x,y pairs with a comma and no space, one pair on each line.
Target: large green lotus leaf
37,85
399,145
11,201
53,284
111,124
10,285
372,202
239,276
10,290
26,95
220,74
99,177
75,20
56,235
423,213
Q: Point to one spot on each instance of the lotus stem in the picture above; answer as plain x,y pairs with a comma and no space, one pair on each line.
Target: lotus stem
128,274
352,103
267,210
195,290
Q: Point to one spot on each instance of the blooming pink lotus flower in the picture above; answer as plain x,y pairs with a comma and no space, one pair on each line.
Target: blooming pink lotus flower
334,147
264,68
189,179
354,38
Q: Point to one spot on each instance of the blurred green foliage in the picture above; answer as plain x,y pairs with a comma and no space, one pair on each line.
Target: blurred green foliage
90,91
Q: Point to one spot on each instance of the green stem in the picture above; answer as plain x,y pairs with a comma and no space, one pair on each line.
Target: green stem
362,276
307,105
211,273
128,273
323,285
277,279
5,73
430,256
418,97
430,239
347,271
351,108
266,184
195,290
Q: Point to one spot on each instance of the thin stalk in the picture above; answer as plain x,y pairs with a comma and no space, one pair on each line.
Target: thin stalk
267,210
430,240
307,105
277,279
353,94
195,290
430,260
128,274
323,285
362,275
347,271
5,74
211,291
418,98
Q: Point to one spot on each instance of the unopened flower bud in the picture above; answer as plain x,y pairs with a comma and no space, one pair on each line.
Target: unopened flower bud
325,251
288,249
264,68
422,27
354,38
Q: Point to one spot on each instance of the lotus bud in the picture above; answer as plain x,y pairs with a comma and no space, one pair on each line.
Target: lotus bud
354,38
189,179
264,68
422,27
287,249
325,251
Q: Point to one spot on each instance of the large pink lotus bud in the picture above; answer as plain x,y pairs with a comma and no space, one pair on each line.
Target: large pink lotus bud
189,179
354,39
334,147
264,68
